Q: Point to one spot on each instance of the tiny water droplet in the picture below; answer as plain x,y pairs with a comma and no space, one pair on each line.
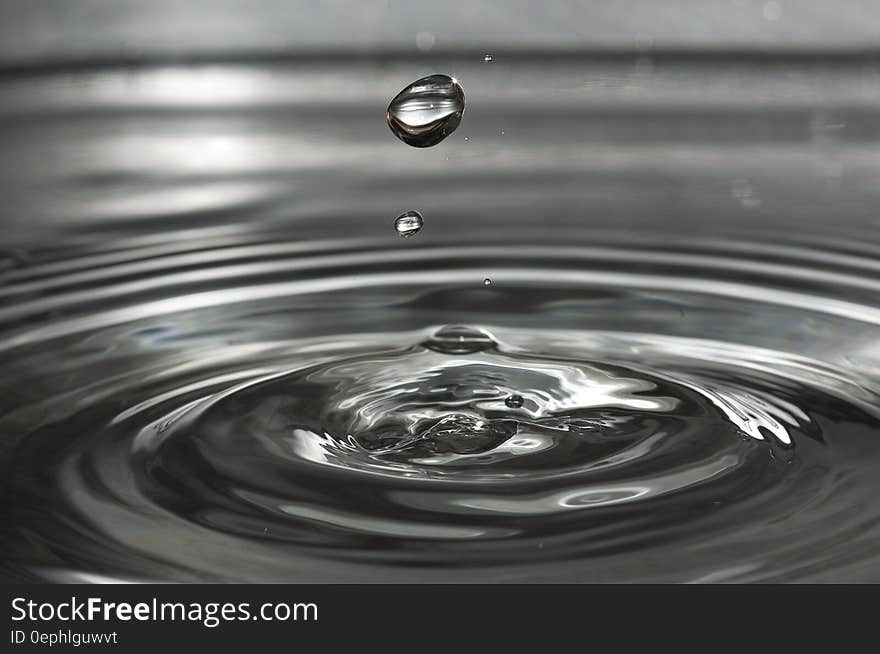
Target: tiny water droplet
514,401
408,223
488,58
466,138
425,41
426,111
487,282
459,339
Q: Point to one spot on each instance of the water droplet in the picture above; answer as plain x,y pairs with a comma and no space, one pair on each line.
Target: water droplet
459,339
409,223
488,58
425,41
772,11
466,138
426,111
487,282
514,401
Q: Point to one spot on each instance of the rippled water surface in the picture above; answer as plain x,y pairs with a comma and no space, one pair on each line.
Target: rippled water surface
221,363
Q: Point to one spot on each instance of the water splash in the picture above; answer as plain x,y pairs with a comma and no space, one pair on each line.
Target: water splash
460,339
358,443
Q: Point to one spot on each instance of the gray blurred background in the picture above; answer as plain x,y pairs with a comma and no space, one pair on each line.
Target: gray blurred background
48,31
124,117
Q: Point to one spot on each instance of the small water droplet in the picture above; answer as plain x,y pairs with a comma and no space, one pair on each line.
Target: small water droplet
426,111
487,282
409,223
466,138
459,339
772,11
425,41
488,58
514,401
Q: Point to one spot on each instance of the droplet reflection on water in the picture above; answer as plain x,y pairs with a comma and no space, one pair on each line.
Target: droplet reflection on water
426,111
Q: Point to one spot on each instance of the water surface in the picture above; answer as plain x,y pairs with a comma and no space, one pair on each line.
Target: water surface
220,363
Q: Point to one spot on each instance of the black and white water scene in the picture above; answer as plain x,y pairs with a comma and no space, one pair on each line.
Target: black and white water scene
427,314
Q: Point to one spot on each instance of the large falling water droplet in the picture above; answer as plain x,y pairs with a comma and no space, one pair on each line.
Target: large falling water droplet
426,111
409,223
460,339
